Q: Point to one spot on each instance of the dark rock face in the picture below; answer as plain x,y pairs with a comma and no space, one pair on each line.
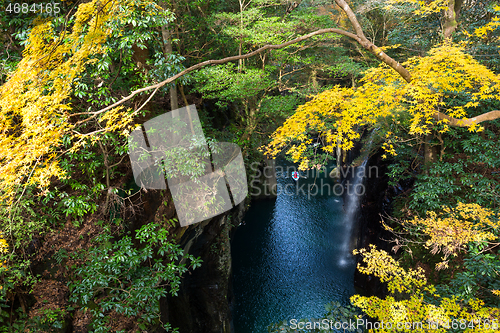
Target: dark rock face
263,184
202,304
377,202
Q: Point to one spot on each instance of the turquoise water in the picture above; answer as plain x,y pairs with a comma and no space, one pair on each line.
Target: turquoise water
289,258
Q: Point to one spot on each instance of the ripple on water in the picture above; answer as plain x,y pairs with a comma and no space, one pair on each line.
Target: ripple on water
288,260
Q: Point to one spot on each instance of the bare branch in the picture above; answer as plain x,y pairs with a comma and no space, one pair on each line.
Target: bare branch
377,52
359,37
492,115
224,60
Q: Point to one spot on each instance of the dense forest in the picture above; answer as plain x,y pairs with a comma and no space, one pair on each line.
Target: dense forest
415,83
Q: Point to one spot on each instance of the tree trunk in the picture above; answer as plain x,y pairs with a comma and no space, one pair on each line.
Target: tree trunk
167,42
314,81
251,124
183,95
430,154
450,18
240,46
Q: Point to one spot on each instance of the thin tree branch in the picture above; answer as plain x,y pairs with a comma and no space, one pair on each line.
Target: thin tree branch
359,37
222,61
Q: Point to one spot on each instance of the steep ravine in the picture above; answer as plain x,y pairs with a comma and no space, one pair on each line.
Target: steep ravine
377,203
204,298
202,304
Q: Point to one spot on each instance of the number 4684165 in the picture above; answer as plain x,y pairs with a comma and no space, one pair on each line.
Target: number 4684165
25,8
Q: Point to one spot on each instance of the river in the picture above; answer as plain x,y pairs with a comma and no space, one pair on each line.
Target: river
292,255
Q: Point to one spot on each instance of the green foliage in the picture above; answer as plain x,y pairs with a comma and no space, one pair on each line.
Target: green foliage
281,106
19,325
29,216
463,179
480,275
50,320
165,67
60,256
134,27
15,275
257,93
477,16
226,84
438,188
130,280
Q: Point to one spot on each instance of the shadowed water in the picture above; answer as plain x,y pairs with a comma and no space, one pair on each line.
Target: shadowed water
291,258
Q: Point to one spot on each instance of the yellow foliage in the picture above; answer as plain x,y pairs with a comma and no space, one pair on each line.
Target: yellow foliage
482,32
413,305
4,246
313,116
451,230
382,265
423,8
337,114
34,102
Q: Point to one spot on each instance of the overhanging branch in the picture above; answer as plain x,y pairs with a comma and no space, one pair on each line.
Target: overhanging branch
363,41
492,115
221,61
358,37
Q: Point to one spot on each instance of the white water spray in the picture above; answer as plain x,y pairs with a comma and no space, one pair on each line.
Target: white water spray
352,207
354,197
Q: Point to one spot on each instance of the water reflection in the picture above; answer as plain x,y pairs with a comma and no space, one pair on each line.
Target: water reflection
289,259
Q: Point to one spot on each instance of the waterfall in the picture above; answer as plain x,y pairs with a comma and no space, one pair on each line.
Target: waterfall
355,191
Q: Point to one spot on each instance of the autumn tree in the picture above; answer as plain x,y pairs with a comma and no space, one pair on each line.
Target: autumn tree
64,118
415,305
420,108
426,105
59,161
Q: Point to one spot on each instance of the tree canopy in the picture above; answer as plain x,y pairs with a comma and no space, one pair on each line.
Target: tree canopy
306,79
